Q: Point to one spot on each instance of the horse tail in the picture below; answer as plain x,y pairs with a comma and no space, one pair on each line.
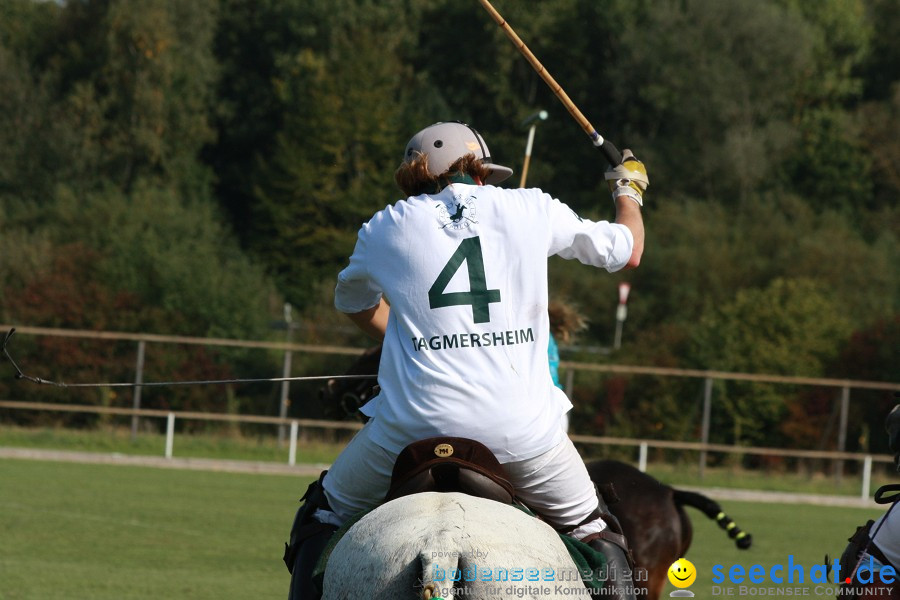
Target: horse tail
438,578
712,510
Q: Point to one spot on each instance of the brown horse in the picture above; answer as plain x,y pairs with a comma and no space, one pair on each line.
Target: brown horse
651,513
653,518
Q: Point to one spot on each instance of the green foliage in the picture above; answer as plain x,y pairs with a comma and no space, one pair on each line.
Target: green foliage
716,105
871,354
769,129
831,147
790,327
881,65
106,205
881,133
151,85
112,126
329,173
34,142
176,256
705,253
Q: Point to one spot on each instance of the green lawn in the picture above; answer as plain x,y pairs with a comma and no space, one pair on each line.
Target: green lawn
73,531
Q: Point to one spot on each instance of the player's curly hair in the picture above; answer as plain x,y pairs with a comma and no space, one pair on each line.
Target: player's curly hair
414,179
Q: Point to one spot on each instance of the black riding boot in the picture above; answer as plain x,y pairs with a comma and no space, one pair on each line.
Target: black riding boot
308,539
307,555
612,544
619,584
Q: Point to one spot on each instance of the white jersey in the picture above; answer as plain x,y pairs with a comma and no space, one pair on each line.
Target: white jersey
465,274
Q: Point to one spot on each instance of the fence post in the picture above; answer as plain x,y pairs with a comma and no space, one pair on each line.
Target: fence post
642,457
867,477
292,453
842,434
285,372
170,434
570,383
136,391
704,431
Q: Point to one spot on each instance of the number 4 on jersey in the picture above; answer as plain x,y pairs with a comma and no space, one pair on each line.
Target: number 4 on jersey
478,296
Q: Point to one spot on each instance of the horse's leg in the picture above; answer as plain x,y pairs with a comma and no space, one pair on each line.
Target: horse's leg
655,585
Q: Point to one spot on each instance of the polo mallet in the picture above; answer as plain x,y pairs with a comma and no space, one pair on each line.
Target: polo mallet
609,150
532,120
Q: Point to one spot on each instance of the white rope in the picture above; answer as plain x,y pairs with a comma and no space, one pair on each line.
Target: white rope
60,384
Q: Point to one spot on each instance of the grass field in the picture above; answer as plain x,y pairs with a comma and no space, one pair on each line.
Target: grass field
73,531
97,531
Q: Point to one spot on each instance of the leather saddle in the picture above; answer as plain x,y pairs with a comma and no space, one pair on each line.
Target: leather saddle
450,464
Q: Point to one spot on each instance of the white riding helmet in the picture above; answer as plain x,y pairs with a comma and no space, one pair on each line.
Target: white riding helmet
445,143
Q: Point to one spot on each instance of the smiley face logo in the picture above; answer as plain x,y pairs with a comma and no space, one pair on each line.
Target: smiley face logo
682,573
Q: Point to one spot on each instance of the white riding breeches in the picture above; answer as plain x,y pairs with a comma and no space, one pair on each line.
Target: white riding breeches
556,484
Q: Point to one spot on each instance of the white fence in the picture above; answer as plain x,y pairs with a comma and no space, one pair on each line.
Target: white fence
643,445
570,368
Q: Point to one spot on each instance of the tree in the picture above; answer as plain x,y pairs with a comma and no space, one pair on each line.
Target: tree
881,126
791,327
881,67
249,42
153,88
719,101
870,354
107,186
831,142
334,159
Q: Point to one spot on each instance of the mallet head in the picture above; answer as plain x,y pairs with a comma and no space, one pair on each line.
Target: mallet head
540,115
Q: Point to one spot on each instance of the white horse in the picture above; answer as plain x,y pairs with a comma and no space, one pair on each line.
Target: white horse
450,545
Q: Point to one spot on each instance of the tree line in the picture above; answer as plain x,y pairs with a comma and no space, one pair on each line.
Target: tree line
189,167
